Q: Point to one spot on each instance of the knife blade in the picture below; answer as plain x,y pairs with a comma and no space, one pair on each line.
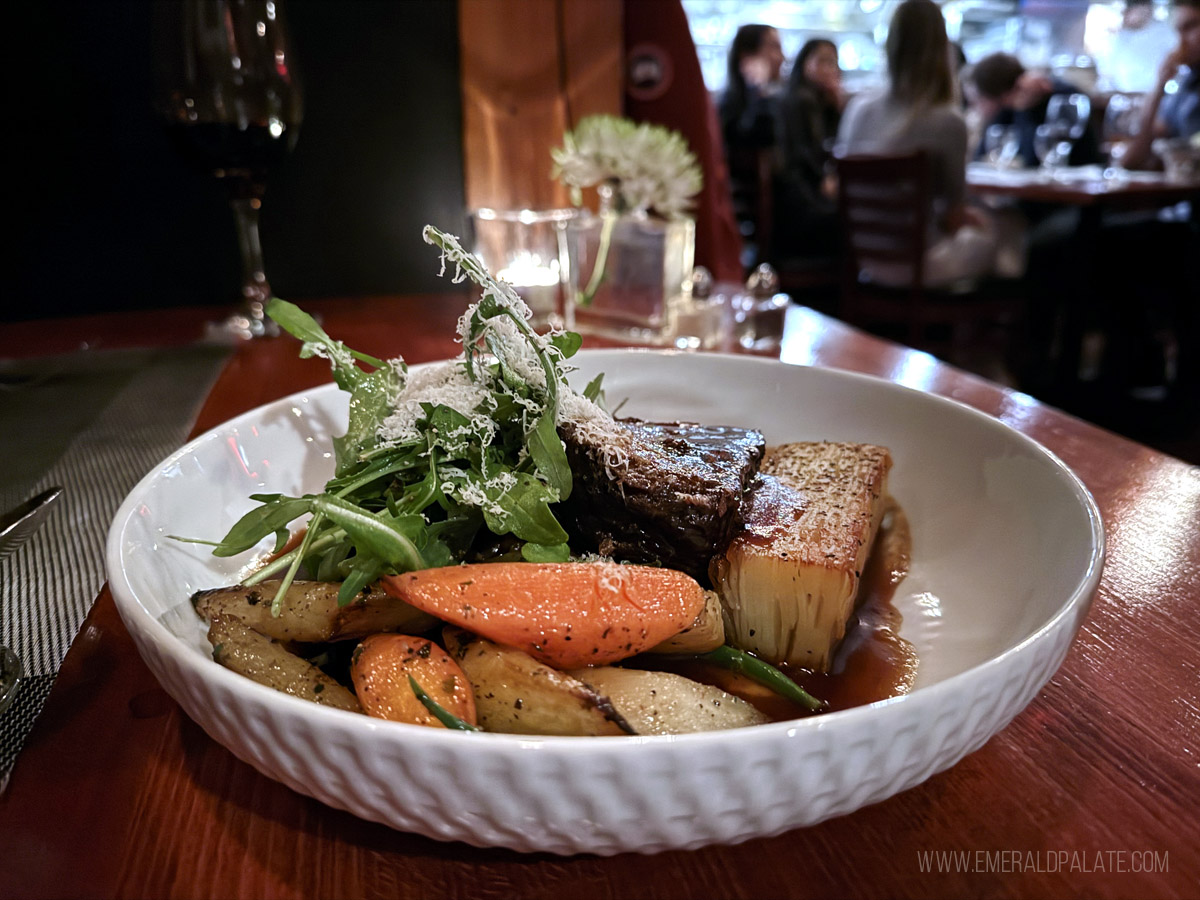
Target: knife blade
19,523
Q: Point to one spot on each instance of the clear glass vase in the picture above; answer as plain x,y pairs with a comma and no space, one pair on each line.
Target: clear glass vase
626,273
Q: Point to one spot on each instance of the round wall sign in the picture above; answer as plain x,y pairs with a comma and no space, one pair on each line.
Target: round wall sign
648,72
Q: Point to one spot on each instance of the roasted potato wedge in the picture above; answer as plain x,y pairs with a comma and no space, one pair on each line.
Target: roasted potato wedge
665,703
310,612
706,633
242,649
516,694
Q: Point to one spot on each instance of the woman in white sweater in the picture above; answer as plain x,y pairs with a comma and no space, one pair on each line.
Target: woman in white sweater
918,111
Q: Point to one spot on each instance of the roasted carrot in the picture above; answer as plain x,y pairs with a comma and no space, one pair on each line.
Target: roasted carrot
381,666
565,615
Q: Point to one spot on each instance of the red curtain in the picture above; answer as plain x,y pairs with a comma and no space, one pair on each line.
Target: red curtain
663,85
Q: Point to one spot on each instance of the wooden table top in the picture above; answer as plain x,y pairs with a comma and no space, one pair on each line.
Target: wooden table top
1086,793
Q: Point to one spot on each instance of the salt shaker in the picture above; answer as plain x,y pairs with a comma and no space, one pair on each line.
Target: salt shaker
699,316
702,283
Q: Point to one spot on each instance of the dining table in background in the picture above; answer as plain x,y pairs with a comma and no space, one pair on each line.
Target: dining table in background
1095,192
1088,187
1088,792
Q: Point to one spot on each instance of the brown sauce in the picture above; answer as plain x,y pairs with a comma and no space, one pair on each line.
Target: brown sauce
873,662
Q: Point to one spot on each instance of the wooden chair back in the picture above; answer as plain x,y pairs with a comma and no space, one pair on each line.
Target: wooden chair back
884,206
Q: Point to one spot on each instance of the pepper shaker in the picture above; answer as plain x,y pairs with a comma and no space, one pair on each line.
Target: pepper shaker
761,311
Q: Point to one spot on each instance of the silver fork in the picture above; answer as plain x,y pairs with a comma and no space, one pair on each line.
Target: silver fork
16,527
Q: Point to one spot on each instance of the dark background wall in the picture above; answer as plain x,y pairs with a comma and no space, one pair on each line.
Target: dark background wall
109,217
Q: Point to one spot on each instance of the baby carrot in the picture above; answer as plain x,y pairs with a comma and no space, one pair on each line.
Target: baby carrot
565,615
381,667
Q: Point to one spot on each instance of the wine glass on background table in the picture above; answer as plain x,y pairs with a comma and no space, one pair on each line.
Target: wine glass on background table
1052,147
1001,146
1122,119
232,104
1067,117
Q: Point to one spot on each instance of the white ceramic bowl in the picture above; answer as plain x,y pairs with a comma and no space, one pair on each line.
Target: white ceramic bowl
1007,550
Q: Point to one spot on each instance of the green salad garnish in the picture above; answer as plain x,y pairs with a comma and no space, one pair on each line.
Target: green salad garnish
430,458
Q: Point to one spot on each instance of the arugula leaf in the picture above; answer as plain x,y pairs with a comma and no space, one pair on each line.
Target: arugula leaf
541,553
371,400
380,536
509,378
526,512
379,468
435,554
365,571
549,455
371,393
499,299
297,557
330,565
310,546
456,532
273,517
441,422
594,391
417,498
300,324
567,343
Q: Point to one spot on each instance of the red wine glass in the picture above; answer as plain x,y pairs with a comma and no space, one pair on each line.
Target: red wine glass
233,106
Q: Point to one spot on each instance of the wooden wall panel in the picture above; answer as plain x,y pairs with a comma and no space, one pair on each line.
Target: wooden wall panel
530,69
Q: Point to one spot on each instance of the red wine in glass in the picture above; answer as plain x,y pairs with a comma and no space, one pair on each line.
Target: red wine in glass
232,105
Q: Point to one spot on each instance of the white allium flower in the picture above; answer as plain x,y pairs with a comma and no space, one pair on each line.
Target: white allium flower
650,167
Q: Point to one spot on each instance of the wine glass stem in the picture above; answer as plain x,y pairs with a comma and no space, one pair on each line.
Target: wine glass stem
255,290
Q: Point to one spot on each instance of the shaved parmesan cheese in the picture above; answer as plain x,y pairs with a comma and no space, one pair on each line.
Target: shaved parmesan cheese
448,384
443,383
596,428
515,356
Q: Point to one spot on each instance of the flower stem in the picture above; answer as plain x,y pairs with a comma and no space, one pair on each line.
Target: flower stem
608,222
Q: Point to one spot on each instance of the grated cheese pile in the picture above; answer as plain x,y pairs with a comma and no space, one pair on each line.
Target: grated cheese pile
449,384
442,383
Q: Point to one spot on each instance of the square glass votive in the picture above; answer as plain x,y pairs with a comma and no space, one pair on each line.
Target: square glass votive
626,275
521,246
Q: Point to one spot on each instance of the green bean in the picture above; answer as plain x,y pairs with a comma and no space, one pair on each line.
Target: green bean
764,673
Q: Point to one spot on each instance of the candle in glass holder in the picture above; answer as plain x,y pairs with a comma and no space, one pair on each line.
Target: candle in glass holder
536,280
521,247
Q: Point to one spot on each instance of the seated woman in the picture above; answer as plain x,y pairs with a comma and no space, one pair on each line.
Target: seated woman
748,111
918,111
806,224
747,107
